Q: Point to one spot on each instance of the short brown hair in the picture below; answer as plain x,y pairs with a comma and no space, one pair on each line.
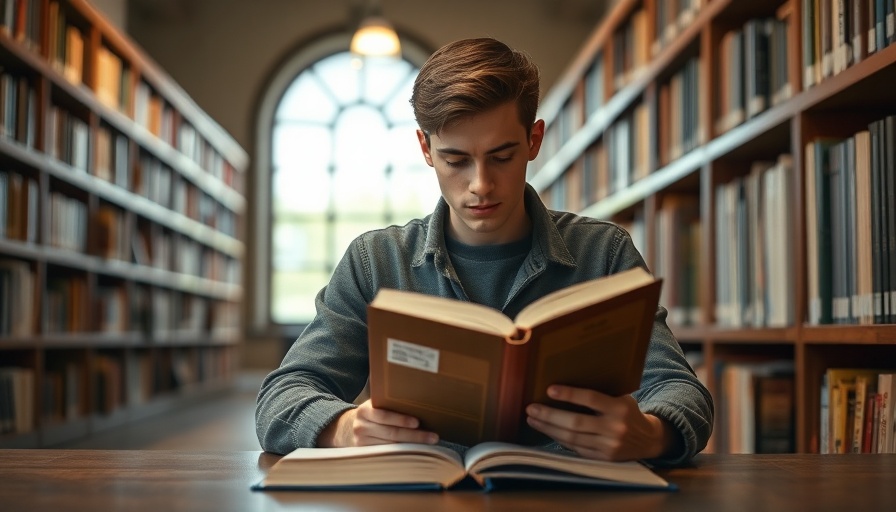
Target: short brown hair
472,76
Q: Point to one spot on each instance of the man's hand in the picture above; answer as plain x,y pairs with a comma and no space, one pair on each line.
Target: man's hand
367,425
617,430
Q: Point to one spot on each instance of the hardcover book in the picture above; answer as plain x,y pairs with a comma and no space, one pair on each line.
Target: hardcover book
491,466
467,371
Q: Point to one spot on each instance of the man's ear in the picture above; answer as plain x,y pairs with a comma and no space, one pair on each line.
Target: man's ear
536,136
424,147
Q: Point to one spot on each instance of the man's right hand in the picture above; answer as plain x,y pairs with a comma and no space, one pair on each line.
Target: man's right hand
366,425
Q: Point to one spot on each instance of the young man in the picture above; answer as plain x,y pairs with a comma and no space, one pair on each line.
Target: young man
492,241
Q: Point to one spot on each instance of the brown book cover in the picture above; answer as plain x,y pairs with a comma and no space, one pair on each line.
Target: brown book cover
467,371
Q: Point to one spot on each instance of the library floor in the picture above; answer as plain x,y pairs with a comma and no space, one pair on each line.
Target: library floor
223,422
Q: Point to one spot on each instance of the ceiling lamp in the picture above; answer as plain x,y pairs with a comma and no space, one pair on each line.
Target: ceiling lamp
375,37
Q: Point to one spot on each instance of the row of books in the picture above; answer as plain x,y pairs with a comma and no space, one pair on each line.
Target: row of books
18,107
678,115
116,379
627,148
755,247
622,156
841,33
631,49
67,306
670,18
68,140
755,407
17,306
677,256
857,411
21,20
17,389
754,250
158,183
107,155
166,250
18,207
851,226
112,158
69,223
753,71
65,43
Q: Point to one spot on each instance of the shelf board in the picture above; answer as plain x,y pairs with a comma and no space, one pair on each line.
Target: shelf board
715,334
141,206
850,334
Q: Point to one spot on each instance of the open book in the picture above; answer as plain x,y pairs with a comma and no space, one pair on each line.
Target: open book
467,371
406,466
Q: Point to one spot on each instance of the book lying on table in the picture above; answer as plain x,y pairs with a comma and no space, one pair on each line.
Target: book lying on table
406,466
467,371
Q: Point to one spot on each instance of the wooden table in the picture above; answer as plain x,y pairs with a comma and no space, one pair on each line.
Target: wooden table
133,481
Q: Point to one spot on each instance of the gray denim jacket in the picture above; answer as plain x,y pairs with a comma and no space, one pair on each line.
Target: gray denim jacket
327,367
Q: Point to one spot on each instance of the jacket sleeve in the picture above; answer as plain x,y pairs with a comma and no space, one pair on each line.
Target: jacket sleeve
325,368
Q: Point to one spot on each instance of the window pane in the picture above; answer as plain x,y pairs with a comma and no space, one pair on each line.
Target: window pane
299,145
360,138
291,187
300,244
399,109
293,293
306,100
357,191
342,79
383,79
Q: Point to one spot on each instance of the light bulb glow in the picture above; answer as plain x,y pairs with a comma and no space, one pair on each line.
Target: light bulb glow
376,38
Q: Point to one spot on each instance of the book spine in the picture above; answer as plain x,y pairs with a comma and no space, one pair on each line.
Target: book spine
513,381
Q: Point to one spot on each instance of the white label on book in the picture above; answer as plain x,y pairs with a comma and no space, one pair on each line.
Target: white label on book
412,356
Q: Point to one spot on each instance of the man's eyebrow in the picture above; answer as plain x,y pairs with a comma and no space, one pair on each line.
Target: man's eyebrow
497,149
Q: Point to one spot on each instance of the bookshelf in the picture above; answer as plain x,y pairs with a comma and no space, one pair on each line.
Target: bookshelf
747,148
121,218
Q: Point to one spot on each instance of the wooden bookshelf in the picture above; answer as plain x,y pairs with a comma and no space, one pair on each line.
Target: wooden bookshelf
745,102
121,219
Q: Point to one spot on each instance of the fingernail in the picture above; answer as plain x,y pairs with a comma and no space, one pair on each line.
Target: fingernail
553,391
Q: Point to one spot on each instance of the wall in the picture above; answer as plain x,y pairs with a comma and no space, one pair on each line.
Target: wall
115,11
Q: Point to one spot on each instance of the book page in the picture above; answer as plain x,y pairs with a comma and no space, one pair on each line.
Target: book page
382,450
569,299
388,464
486,458
448,311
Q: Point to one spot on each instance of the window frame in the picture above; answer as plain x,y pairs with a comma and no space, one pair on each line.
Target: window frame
260,320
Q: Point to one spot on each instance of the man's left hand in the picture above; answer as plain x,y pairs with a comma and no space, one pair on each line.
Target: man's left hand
617,430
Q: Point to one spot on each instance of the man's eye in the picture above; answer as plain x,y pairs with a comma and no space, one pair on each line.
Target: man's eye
502,159
455,163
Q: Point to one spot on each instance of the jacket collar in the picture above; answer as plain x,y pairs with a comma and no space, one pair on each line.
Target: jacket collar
547,243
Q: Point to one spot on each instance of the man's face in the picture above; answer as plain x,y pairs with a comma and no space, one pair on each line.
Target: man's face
480,162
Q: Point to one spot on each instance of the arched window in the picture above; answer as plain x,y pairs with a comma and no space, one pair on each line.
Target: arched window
337,156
